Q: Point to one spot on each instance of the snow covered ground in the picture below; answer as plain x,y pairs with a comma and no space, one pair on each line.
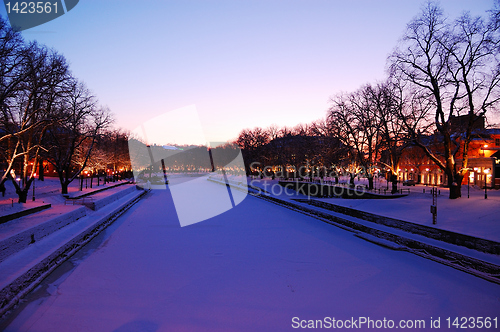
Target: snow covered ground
48,187
252,268
47,191
474,216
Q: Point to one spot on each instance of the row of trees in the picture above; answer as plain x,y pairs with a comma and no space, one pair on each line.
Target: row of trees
312,144
441,70
374,124
45,114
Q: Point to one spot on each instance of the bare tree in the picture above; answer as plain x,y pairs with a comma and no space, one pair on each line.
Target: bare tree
12,58
12,74
111,151
354,119
399,114
456,67
251,142
81,123
26,116
329,151
273,153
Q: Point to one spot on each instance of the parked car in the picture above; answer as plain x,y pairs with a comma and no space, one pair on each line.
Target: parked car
409,183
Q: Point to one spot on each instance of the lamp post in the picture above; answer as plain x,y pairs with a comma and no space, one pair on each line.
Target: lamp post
387,177
468,182
18,182
486,172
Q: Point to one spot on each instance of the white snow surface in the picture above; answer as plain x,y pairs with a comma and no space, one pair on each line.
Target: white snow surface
252,268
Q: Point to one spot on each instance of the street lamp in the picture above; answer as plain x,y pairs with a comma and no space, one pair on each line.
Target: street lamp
387,177
468,180
486,172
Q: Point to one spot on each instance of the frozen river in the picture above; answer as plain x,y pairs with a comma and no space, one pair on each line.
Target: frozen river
256,267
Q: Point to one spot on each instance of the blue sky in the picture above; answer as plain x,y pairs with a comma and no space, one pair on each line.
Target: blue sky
242,63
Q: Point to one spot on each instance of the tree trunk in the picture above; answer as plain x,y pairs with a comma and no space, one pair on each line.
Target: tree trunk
351,180
40,171
455,185
2,187
370,182
64,188
394,180
23,195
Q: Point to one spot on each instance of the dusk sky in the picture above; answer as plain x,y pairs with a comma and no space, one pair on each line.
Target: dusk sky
240,63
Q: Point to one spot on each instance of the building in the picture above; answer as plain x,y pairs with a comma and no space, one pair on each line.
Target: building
483,161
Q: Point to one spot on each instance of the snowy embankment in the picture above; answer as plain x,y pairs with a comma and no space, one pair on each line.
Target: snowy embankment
475,216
